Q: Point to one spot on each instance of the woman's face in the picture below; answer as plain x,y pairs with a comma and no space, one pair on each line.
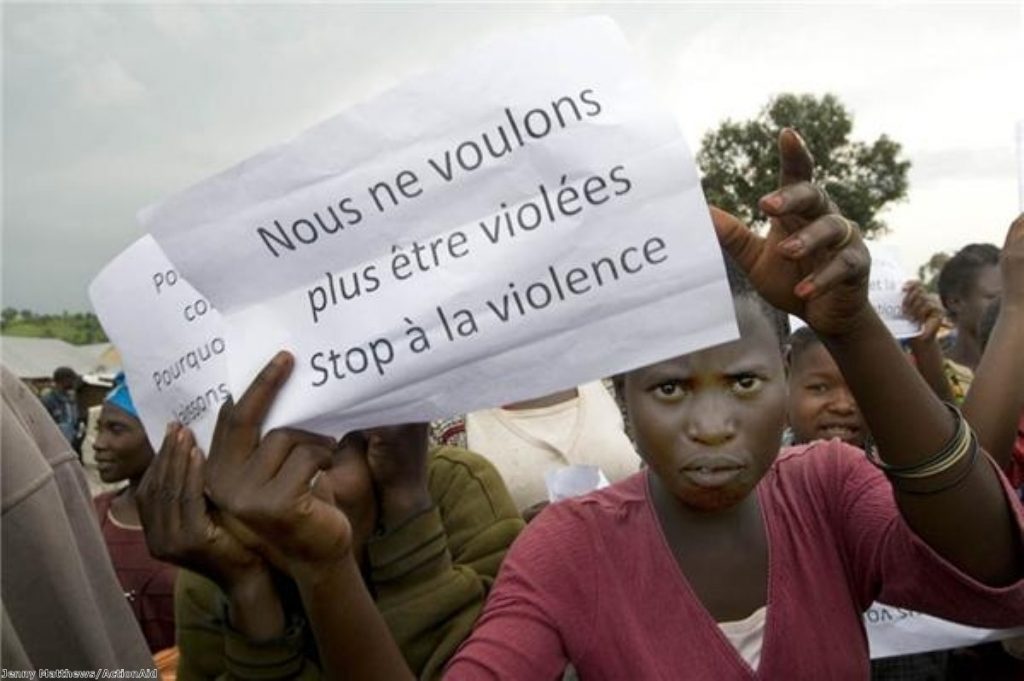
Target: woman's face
821,406
122,450
709,423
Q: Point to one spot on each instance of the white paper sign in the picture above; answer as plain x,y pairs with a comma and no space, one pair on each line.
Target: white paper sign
525,219
170,338
1020,163
885,291
896,631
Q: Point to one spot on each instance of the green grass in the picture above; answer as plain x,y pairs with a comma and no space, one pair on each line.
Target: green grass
77,331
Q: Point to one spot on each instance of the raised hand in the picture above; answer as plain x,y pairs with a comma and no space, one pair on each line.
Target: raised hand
923,308
271,484
183,528
397,456
1011,264
180,526
812,262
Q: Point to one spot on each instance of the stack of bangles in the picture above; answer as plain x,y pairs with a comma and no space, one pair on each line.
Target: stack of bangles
914,479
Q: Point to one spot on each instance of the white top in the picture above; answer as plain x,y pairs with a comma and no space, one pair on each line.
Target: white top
523,444
746,635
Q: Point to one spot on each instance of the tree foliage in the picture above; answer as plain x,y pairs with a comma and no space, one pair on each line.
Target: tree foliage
78,328
928,273
739,160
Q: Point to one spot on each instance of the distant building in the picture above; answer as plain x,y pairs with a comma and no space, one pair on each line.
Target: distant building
34,359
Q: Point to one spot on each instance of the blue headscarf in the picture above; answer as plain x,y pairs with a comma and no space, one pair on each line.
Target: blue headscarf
120,397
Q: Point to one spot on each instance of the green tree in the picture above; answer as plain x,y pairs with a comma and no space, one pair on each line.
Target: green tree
928,273
8,315
739,160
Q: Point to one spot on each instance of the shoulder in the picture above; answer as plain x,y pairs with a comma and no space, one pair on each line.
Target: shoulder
820,457
102,502
822,473
468,490
560,560
612,500
577,521
456,467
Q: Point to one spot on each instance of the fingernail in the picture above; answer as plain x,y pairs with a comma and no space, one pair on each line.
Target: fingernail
804,289
773,201
181,436
799,137
793,245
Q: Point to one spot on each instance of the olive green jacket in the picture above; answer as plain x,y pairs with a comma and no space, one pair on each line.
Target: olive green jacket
430,577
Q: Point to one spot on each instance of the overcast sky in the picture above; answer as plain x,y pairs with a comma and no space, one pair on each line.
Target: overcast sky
107,108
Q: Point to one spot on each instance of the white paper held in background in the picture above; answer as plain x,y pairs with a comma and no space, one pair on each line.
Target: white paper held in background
170,338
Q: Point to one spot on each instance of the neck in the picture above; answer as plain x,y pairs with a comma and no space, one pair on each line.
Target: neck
124,507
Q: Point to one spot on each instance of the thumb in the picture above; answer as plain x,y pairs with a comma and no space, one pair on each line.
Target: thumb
736,238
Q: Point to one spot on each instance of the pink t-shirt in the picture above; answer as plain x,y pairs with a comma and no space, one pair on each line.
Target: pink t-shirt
592,581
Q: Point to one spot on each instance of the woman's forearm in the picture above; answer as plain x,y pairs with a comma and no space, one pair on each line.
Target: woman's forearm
996,397
352,639
970,523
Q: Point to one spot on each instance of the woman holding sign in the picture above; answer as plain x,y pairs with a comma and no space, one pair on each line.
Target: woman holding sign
430,526
724,559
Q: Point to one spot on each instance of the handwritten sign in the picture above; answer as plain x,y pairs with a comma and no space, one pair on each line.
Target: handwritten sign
897,631
170,338
525,219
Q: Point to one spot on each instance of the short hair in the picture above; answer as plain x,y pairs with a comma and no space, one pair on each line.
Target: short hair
742,289
799,341
61,374
959,274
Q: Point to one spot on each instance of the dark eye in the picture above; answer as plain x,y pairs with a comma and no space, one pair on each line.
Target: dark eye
816,388
669,390
746,384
